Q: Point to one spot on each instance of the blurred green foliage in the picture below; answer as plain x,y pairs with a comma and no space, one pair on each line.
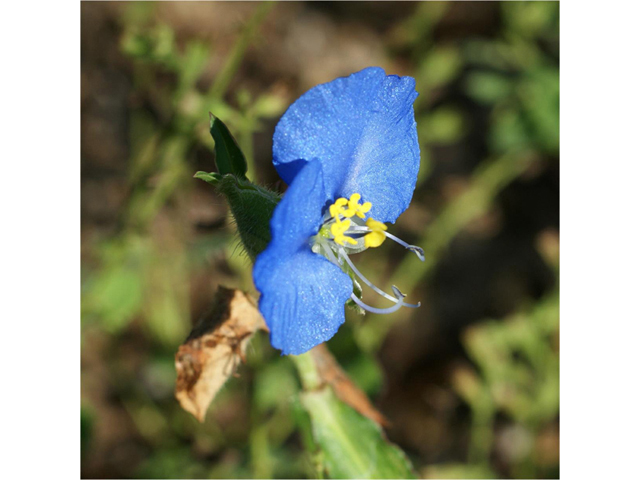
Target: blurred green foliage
137,282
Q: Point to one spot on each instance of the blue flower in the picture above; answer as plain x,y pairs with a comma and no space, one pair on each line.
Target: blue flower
349,151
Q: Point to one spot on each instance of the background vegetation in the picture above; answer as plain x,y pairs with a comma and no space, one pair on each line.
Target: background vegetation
470,380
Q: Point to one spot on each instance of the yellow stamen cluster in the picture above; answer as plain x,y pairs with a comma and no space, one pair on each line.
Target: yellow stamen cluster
347,209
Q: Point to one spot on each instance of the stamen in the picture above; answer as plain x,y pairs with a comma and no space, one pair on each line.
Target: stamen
330,255
336,209
399,294
371,309
338,230
376,236
355,208
414,248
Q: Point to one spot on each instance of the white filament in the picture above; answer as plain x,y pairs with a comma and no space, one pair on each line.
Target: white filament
368,308
414,248
398,298
344,255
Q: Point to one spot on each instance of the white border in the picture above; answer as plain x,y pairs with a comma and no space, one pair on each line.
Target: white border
599,287
40,256
600,171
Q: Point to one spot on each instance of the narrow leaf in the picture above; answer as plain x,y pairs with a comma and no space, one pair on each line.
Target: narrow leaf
229,157
211,178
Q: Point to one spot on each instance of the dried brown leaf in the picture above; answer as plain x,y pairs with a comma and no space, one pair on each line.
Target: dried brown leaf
214,349
331,374
217,345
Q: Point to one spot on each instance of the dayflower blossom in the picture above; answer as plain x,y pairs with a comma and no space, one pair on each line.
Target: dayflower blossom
349,151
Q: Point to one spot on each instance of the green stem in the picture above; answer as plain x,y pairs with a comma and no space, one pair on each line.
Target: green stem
307,371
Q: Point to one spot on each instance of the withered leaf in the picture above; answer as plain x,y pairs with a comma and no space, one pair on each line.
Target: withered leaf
217,345
349,393
214,349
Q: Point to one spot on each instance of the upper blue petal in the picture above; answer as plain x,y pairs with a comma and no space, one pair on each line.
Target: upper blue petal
302,294
363,131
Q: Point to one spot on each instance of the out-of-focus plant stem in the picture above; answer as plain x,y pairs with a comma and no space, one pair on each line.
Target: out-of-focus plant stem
261,459
232,64
310,379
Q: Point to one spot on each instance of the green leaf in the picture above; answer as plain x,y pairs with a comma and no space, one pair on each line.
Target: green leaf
87,428
229,157
353,446
459,470
211,178
488,87
440,66
116,296
443,125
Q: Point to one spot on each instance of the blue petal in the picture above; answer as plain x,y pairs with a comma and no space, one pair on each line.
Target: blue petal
302,294
362,128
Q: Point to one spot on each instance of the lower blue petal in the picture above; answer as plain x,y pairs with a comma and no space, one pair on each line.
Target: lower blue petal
303,297
302,294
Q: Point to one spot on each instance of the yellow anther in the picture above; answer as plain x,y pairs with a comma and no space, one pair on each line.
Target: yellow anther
364,208
349,208
337,208
356,208
338,229
350,211
375,225
376,236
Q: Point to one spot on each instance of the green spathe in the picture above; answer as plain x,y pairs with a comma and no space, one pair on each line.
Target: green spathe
251,206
